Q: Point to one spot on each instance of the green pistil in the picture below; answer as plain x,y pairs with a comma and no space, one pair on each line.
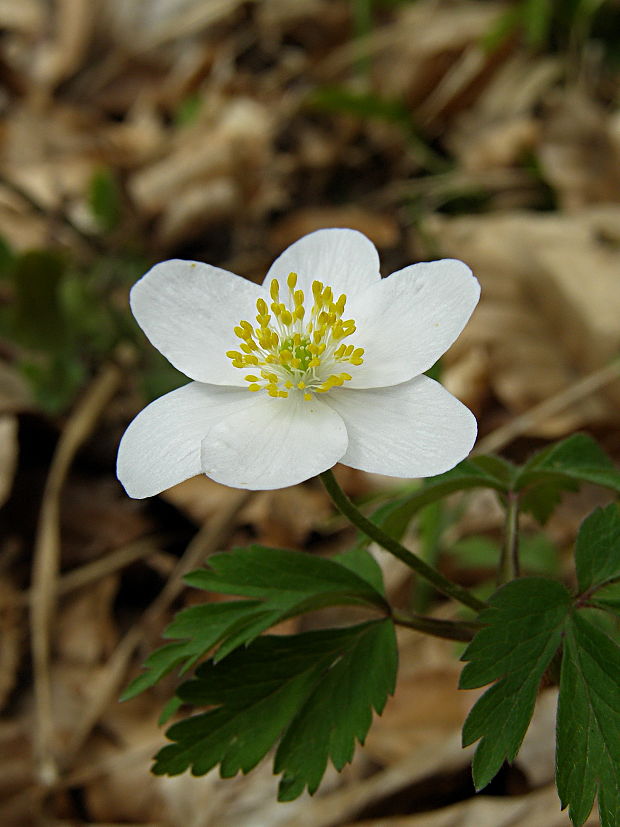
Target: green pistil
300,352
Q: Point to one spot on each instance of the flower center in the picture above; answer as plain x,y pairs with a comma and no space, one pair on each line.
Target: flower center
292,350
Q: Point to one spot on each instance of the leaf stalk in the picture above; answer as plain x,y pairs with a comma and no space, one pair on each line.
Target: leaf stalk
372,530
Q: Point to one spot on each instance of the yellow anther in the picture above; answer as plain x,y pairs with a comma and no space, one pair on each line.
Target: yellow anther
293,346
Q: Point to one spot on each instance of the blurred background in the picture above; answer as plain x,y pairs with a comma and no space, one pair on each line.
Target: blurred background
222,130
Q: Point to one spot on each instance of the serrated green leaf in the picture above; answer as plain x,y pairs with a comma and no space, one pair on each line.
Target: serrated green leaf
524,627
597,551
285,579
339,711
560,467
314,691
284,583
172,706
204,626
478,472
588,727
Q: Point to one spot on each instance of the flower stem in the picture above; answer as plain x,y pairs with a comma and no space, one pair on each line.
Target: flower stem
372,530
447,629
508,568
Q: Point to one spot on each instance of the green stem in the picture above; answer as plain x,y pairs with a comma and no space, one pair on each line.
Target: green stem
509,559
372,530
447,629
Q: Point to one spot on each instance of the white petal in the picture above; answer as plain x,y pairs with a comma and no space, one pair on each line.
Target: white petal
416,429
273,443
188,311
161,447
408,320
344,259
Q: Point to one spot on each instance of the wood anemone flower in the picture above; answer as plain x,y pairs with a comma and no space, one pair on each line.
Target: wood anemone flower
321,364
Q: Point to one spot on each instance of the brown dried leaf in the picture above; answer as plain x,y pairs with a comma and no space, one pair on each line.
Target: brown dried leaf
539,328
86,633
382,229
11,635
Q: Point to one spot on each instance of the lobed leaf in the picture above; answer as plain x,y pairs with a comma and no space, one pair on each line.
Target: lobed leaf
282,583
597,551
588,725
524,624
560,467
313,692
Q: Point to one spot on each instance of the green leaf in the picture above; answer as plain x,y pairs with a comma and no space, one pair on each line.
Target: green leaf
284,583
361,562
597,552
524,627
203,626
478,472
313,692
608,597
588,727
563,466
286,580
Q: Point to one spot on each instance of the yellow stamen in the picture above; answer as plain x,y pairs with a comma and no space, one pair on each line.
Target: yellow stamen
294,346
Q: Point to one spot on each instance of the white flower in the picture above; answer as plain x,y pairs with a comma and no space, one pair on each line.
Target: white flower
322,364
